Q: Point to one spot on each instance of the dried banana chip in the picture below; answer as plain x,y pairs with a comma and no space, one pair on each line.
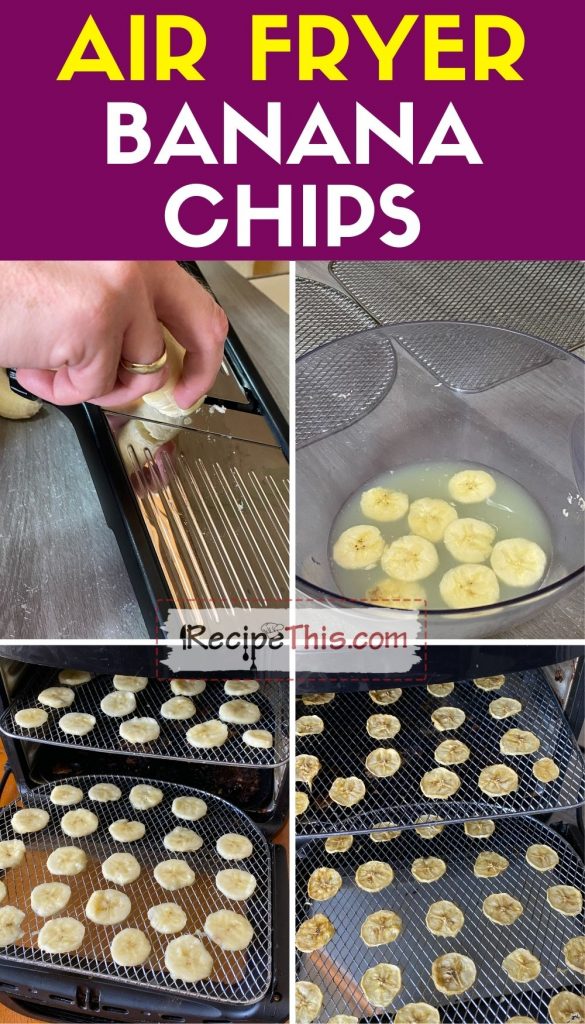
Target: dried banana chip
314,933
383,727
309,725
343,1018
306,768
381,984
566,899
440,689
383,762
428,869
440,783
301,802
519,741
498,780
338,844
542,857
521,1020
386,696
501,908
317,698
567,1008
480,829
447,719
452,752
545,770
417,1013
574,951
432,826
444,918
504,707
381,927
453,973
389,832
490,682
374,875
308,1002
324,883
347,792
490,865
521,965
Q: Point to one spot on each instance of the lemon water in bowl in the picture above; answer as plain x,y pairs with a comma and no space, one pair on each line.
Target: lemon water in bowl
440,535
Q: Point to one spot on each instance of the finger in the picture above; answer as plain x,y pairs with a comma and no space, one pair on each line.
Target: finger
143,343
53,386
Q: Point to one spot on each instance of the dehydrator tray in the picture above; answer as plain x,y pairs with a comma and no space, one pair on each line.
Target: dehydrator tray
494,998
238,977
344,745
324,313
271,698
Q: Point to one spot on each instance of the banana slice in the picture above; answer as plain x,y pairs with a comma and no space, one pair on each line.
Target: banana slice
347,792
518,562
504,707
428,869
258,738
374,875
64,796
173,874
383,727
445,719
391,593
431,826
521,1020
566,899
498,780
61,935
567,1008
232,846
440,690
31,718
235,883
228,930
384,505
182,840
108,906
469,540
77,723
12,853
57,696
338,844
130,948
430,517
342,1018
490,865
131,684
521,965
542,857
317,698
190,808
314,933
519,741
360,547
104,792
240,687
307,766
208,734
73,676
453,973
167,918
469,486
79,823
381,984
3,892
67,860
489,682
452,752
121,868
118,704
389,833
574,951
308,1002
187,959
309,725
11,919
140,730
469,586
30,819
125,831
239,712
501,908
546,770
301,802
440,783
178,708
410,558
480,829
383,762
188,687
381,927
144,797
444,918
324,883
417,1013
386,697
49,898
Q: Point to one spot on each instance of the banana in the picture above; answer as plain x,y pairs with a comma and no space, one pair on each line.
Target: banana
3,892
130,948
74,676
480,829
173,874
308,1002
518,741
440,689
240,687
307,766
108,906
125,831
431,826
489,682
140,730
384,505
452,752
453,973
178,708
228,930
131,684
77,723
338,844
440,783
232,846
309,725
31,718
468,586
118,704
545,770
79,823
258,738
347,792
13,406
391,593
11,919
49,898
314,933
430,517
235,883
469,540
187,959
417,1013
521,965
389,833
566,899
67,860
383,727
301,802
574,951
104,792
489,864
542,857
182,840
64,796
386,697
504,707
167,918
374,875
446,719
317,698
428,869
498,780
57,696
521,1020
121,868
518,562
61,935
381,927
470,486
144,797
381,984
212,733
324,883
567,1008
383,762
188,687
30,819
444,918
501,908
342,1018
410,558
360,547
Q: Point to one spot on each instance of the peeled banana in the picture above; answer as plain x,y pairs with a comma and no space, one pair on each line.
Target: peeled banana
566,899
391,593
208,734
542,857
521,965
228,930
383,727
518,562
470,486
49,898
108,906
469,586
79,823
428,869
67,860
61,935
359,547
121,868
130,948
444,918
410,558
417,1013
381,984
489,864
501,908
309,725
384,505
167,918
187,959
323,884
452,752
374,875
314,933
232,846
308,1002
453,973
567,1008
440,783
347,792
383,762
498,780
545,770
430,517
307,766
381,927
190,808
29,819
174,874
469,540
235,883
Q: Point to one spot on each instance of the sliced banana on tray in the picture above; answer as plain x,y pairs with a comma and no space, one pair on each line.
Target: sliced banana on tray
338,844
374,875
381,984
131,684
566,899
182,840
167,918
359,547
108,906
521,965
130,948
77,723
104,792
574,952
12,853
444,918
383,504
440,783
389,593
29,819
447,719
501,908
232,846
235,883
260,738
49,898
11,919
380,928
174,874
489,864
240,712
190,808
383,727
140,730
324,883
470,486
385,697
314,933
212,733
67,860
126,831
118,704
389,832
469,586
311,699
498,780
240,687
178,708
489,682
31,718
518,562
383,762
187,959
308,1002
188,687
428,869
546,770
504,707
519,741
347,791
469,540
144,797
567,1008
440,689
417,1013
429,825
309,725
228,930
61,935
343,1018
482,829
307,767
76,824
453,973
452,752
301,802
430,517
65,796
121,868
410,559
73,676
57,696
542,857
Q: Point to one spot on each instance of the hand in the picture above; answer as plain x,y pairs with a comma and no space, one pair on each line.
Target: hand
66,325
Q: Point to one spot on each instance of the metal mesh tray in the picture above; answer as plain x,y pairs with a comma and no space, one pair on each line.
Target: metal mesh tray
493,998
323,313
242,977
344,745
271,698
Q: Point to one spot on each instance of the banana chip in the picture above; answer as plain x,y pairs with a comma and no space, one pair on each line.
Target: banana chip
324,883
519,741
417,1013
431,826
504,707
453,973
428,869
440,690
317,698
338,844
381,984
301,802
307,766
566,899
374,875
452,752
440,783
542,857
490,682
314,933
574,951
308,1002
567,1008
347,792
521,965
447,719
545,770
383,727
498,780
381,927
386,697
383,762
480,829
490,865
309,725
501,908
444,918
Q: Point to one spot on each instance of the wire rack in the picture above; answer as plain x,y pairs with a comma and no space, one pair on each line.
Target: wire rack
241,977
494,998
272,699
324,313
398,799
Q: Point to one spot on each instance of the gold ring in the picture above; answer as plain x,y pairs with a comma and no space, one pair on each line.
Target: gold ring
144,367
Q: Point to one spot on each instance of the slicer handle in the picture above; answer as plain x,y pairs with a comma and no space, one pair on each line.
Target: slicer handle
18,388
